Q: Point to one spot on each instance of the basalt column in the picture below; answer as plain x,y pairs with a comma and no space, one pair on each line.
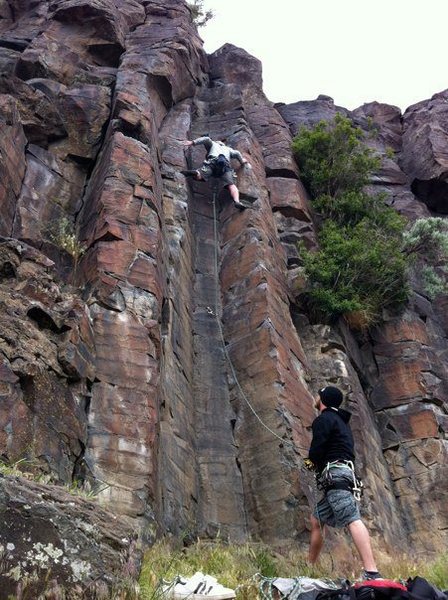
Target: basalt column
268,359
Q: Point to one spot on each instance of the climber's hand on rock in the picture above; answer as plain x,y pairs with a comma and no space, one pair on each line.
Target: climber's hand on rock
187,143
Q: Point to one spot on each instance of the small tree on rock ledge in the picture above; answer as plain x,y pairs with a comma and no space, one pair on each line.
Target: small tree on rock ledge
366,249
199,14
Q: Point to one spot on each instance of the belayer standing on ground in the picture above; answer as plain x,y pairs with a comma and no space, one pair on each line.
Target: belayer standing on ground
217,164
331,456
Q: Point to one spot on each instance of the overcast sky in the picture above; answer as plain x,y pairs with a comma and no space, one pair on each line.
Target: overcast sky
355,51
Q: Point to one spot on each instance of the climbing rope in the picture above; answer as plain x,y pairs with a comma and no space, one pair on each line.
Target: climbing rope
221,332
313,487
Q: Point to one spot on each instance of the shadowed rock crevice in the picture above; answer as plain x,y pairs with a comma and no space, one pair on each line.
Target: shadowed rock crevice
107,55
7,270
434,193
45,321
281,173
221,494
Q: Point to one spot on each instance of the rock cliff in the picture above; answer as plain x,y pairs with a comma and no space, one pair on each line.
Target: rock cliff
122,297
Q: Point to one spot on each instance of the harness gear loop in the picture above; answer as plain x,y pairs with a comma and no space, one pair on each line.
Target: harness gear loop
325,479
219,165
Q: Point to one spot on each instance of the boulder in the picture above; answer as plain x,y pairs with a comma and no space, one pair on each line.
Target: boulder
56,542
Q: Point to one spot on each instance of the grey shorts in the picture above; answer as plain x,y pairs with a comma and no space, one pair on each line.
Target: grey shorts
227,178
338,508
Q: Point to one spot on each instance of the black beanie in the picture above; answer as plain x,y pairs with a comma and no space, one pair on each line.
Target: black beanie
331,396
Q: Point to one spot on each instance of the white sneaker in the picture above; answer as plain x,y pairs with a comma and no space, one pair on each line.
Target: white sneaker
215,591
198,587
207,583
186,588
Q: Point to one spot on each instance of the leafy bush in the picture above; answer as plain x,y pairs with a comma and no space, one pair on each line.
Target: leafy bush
433,283
360,268
199,14
351,207
62,233
390,152
333,158
428,238
426,241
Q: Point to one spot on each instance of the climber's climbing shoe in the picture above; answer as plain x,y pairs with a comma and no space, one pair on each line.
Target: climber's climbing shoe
190,172
240,206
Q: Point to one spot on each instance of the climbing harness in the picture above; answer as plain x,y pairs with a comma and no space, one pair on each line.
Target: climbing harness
219,165
325,481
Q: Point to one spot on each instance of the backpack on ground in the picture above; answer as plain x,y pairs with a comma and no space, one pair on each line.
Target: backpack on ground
379,589
420,589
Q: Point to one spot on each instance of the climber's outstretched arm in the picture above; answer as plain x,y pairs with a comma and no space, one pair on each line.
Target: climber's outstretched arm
239,157
200,141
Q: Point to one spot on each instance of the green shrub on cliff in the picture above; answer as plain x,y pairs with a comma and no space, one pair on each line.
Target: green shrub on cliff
427,242
359,268
366,250
199,14
333,158
356,272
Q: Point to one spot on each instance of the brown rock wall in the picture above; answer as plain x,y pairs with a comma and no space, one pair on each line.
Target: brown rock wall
122,227
424,157
268,358
51,192
123,222
46,356
409,390
12,168
178,489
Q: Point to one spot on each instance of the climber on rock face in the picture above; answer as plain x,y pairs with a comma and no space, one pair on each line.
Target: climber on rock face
217,164
331,456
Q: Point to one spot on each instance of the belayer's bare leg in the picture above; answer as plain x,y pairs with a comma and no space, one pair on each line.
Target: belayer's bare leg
316,540
361,539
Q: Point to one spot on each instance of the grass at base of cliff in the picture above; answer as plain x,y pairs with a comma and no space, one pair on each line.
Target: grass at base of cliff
235,566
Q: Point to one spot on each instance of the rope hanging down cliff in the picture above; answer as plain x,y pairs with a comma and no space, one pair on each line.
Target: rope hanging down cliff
223,342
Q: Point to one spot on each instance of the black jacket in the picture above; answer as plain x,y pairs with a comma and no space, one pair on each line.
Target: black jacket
332,438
